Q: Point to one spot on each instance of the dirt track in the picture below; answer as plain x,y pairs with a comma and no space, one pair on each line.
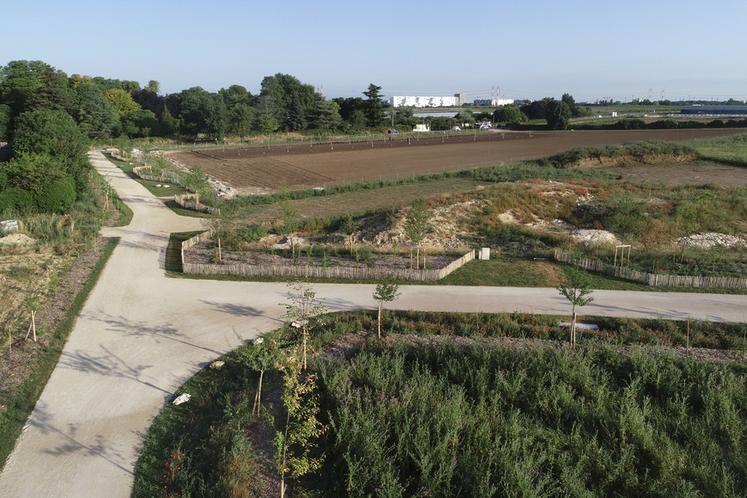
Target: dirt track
261,173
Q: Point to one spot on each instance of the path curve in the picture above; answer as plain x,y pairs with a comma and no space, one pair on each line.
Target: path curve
141,335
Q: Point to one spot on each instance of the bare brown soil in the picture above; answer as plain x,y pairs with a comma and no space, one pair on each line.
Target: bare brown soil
674,174
256,170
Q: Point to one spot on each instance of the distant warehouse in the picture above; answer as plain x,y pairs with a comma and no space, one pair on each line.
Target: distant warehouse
426,101
716,110
492,102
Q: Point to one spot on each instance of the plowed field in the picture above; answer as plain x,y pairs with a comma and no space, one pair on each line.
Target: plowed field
257,169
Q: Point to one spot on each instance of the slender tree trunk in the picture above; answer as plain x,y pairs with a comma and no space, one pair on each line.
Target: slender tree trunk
573,328
258,394
417,258
305,335
220,253
379,321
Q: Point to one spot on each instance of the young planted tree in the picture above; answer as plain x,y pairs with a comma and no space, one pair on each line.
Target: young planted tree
290,224
416,228
576,288
386,292
262,356
301,309
350,226
33,305
295,439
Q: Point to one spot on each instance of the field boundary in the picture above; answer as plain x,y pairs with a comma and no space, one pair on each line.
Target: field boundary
652,279
307,271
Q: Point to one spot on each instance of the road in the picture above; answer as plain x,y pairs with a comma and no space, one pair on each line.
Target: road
141,335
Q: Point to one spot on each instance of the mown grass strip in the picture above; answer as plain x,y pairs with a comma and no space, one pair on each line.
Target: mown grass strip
23,401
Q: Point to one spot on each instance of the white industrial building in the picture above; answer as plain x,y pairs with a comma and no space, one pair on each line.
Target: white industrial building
426,101
492,102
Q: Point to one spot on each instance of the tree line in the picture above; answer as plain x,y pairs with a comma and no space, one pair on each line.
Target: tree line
105,108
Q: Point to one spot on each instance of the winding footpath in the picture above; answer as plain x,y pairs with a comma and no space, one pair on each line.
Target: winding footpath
141,335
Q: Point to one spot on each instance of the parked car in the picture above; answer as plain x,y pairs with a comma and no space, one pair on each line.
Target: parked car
392,131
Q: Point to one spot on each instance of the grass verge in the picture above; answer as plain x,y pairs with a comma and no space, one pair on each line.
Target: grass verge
23,401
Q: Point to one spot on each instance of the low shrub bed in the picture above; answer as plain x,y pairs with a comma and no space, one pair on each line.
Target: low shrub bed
458,419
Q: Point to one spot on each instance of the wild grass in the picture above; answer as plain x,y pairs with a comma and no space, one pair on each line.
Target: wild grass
639,151
730,150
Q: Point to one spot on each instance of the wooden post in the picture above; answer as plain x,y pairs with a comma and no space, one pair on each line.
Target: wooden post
32,326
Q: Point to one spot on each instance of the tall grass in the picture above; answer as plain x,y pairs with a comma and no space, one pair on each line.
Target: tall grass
473,422
731,150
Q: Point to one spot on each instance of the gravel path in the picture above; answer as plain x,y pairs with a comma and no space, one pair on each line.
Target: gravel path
141,335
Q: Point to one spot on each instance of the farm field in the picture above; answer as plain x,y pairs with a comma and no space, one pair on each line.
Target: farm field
360,202
255,171
677,174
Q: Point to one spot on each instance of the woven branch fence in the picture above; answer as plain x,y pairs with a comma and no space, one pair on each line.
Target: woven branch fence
314,271
652,279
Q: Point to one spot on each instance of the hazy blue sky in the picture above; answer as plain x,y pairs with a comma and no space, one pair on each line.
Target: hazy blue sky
593,49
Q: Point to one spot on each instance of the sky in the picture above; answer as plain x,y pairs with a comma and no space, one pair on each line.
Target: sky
520,49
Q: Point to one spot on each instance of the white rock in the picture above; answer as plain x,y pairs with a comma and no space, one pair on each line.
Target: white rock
217,364
709,240
182,398
9,226
594,237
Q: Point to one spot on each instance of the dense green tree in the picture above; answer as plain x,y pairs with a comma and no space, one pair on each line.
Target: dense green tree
15,200
58,196
509,114
290,101
150,101
202,112
140,123
537,109
121,101
404,117
571,103
348,106
558,115
266,123
358,119
95,116
34,173
56,134
168,124
153,86
107,84
240,113
326,116
28,85
4,122
240,119
374,107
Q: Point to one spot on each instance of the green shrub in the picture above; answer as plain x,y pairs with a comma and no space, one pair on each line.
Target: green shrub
58,196
475,421
16,200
